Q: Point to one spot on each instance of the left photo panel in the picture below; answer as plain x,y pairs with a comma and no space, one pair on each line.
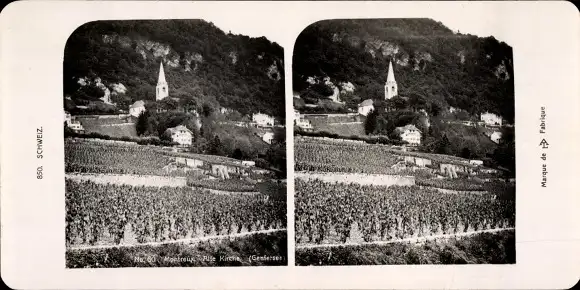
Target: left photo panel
175,146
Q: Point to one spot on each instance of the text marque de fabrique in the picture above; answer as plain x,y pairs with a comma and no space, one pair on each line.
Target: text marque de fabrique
544,146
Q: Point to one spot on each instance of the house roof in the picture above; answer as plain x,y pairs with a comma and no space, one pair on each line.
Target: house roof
410,127
137,104
365,103
178,128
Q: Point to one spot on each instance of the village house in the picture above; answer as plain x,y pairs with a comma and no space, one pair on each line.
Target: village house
224,110
268,137
67,117
476,162
495,136
263,120
366,107
301,122
410,134
248,163
180,135
491,119
137,108
73,124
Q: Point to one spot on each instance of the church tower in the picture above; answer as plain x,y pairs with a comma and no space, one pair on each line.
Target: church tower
162,90
391,85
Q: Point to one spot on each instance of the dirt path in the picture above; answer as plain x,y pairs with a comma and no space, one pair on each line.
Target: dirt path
144,180
450,191
410,240
130,179
190,241
358,178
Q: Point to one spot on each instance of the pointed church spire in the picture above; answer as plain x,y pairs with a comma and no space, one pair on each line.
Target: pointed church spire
161,91
391,74
391,88
161,74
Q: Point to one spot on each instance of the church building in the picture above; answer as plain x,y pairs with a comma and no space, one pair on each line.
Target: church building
391,85
162,90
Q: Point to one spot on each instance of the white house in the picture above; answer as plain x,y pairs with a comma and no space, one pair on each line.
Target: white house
366,107
137,108
76,126
491,119
495,136
296,115
72,124
224,110
410,134
268,137
248,163
304,124
263,120
180,135
67,117
476,162
301,122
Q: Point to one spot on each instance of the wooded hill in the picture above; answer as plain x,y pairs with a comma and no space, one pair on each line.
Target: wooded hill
203,65
434,67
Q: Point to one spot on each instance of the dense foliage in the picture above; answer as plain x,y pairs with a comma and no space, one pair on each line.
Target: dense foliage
333,156
203,65
232,185
344,158
484,248
434,67
101,157
84,157
98,213
329,211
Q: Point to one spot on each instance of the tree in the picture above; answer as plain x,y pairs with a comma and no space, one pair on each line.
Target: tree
237,154
466,153
142,125
371,122
444,146
215,146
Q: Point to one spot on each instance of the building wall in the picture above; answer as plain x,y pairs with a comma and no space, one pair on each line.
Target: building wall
411,137
182,138
263,119
365,110
135,112
162,92
491,119
194,163
268,137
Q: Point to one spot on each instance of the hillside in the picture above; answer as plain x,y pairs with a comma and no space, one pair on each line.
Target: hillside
434,67
203,65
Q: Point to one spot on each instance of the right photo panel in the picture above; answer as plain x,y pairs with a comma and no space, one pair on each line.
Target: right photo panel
404,144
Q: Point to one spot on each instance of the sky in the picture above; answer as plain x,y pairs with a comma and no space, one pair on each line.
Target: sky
465,24
250,28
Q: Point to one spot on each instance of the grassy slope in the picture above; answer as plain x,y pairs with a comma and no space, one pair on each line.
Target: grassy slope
487,248
274,244
343,129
